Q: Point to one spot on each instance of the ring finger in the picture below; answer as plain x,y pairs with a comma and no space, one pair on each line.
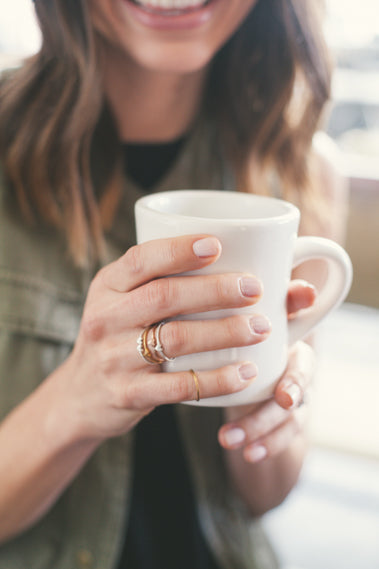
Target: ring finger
184,337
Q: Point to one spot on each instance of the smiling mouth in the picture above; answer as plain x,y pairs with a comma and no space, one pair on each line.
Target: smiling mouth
170,7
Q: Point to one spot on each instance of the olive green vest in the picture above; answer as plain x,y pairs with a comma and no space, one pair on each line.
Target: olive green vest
41,301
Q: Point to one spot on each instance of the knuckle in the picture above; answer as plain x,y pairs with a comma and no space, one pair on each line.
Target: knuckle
238,330
133,260
107,361
99,277
160,293
172,251
227,380
222,291
131,396
93,327
127,397
182,389
174,338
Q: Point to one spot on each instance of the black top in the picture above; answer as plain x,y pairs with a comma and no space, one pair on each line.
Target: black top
163,530
146,164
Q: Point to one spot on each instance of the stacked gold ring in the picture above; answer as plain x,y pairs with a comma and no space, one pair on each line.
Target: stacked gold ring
143,347
155,355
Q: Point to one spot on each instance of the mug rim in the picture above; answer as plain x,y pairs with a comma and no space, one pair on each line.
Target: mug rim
288,213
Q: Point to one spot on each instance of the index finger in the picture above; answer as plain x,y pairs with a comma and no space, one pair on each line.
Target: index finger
158,258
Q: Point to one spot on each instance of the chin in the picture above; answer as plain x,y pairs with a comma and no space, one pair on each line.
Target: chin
175,60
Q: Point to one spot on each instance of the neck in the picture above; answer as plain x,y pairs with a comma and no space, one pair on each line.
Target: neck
151,106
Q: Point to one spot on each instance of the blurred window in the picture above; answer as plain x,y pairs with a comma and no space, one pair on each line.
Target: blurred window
19,34
352,29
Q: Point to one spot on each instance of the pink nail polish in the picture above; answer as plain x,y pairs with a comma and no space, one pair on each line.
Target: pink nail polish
255,453
248,371
234,436
250,286
259,324
207,247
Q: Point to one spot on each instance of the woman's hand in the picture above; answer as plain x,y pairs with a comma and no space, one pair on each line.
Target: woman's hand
107,385
267,439
266,429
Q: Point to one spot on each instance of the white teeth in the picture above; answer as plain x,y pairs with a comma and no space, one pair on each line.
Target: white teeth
171,4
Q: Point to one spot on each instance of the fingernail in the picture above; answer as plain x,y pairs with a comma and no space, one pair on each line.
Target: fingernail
250,286
294,394
234,436
248,371
207,247
255,453
259,324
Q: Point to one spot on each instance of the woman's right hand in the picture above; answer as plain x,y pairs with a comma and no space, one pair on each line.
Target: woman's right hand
105,387
108,386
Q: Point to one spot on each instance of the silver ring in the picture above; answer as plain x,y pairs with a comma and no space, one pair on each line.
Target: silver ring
157,344
305,399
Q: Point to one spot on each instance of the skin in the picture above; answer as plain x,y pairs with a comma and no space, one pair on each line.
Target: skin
104,388
154,78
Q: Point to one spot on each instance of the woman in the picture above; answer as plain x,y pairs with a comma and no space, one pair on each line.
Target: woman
129,96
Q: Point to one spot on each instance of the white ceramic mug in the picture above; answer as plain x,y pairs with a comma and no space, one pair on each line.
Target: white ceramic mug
259,236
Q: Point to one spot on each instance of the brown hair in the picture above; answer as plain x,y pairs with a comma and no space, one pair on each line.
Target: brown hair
267,88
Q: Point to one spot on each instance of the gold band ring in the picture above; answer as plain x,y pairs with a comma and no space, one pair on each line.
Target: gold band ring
143,347
196,382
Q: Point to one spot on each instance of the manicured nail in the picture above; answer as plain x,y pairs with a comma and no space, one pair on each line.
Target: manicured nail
234,436
255,453
250,286
207,247
294,394
248,371
259,324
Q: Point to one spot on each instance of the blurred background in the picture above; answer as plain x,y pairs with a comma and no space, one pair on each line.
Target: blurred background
331,519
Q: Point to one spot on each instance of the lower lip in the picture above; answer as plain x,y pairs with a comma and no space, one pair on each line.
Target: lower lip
182,21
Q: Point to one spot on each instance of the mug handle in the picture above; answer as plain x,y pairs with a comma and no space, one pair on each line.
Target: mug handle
334,291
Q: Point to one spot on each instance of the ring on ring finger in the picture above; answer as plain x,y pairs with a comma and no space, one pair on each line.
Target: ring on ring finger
144,349
152,351
157,344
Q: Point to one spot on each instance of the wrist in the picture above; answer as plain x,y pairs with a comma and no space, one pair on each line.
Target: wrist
63,426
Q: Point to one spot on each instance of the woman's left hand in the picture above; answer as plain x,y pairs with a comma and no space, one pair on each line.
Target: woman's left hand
267,428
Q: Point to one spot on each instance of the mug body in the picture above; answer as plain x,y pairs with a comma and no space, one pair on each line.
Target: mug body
258,236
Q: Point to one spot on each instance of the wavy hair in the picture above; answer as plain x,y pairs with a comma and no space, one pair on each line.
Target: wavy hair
267,88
